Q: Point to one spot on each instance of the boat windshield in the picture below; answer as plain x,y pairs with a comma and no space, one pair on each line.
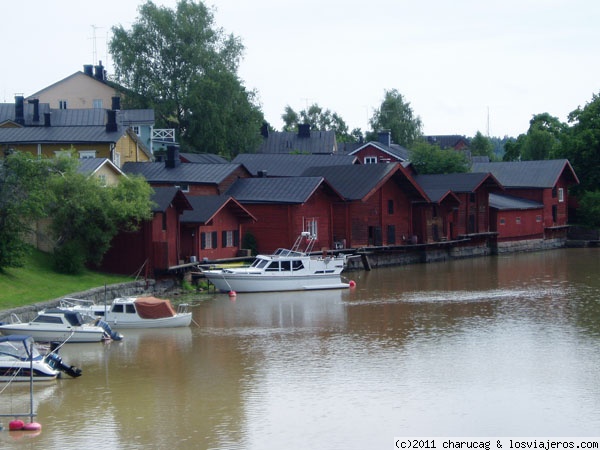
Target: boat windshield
259,263
286,252
19,349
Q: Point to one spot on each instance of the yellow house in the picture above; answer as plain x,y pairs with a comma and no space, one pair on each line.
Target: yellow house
81,90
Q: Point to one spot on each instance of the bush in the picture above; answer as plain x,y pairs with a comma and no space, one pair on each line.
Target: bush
589,209
69,258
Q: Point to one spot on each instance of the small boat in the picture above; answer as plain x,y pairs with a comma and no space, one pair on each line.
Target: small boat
133,312
60,325
285,270
21,360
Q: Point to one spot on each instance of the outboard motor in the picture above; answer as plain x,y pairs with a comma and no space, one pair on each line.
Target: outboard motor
56,362
108,331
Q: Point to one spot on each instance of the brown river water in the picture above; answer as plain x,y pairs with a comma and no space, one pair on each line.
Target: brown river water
498,346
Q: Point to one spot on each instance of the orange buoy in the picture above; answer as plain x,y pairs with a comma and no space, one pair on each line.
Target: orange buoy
32,426
14,425
352,283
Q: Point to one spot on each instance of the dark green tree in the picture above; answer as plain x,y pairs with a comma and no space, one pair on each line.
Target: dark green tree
481,146
395,114
542,140
178,62
319,119
431,159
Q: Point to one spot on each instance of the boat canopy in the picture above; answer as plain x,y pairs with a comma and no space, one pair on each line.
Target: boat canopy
154,308
19,346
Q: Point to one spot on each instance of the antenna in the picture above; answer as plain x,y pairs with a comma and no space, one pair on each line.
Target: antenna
94,46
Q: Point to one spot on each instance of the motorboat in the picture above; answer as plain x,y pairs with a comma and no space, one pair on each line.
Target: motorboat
285,270
60,325
133,312
21,360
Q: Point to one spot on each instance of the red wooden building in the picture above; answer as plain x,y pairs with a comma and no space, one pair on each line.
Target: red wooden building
516,218
155,247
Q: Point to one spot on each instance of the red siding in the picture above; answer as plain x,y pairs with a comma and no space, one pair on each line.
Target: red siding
518,224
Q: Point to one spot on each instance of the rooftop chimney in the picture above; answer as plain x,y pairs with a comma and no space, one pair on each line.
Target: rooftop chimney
99,71
304,130
385,137
116,103
47,119
19,109
264,130
111,120
88,69
172,160
36,109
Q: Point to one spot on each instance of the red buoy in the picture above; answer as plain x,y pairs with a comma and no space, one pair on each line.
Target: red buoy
32,426
232,293
352,283
14,425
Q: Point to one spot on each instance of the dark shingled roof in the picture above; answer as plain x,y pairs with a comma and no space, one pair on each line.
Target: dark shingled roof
88,166
276,165
355,181
291,190
396,151
157,172
528,174
289,142
72,135
205,207
163,197
508,202
456,182
202,158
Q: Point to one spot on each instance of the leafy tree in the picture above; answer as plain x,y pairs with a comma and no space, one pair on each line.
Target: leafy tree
542,141
86,216
431,159
23,196
396,115
319,119
481,146
179,63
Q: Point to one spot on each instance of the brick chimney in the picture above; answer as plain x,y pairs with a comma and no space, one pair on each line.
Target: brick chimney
111,120
172,160
20,109
304,130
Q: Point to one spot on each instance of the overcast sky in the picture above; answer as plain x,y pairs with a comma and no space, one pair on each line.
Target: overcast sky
464,65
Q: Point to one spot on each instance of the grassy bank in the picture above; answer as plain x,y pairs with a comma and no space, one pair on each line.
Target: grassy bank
36,282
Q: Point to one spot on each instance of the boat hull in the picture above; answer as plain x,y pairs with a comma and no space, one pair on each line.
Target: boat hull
41,372
181,320
241,282
48,335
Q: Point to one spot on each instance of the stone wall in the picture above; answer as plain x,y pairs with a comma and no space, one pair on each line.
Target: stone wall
98,295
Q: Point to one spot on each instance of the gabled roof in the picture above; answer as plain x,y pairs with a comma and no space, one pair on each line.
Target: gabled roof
206,207
157,172
448,140
276,165
287,142
396,151
359,181
69,135
457,182
291,190
202,158
504,202
529,174
89,166
77,74
163,197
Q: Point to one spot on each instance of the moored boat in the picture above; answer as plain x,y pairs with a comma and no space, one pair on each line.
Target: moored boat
133,312
285,270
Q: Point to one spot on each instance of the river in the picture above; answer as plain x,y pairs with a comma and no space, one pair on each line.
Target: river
496,346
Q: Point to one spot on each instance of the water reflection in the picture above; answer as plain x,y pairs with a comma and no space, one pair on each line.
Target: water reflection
491,346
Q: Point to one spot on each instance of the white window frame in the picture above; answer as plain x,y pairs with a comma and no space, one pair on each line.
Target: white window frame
97,103
561,195
370,160
312,226
87,154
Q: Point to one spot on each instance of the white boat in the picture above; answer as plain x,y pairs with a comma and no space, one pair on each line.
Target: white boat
60,325
133,312
284,270
20,360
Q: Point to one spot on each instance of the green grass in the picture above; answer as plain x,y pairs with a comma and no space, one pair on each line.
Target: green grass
37,282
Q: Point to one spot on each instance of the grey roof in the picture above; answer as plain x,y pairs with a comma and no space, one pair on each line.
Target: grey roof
282,165
289,142
456,182
163,197
528,174
206,206
292,190
130,117
508,202
203,158
447,140
88,166
72,135
157,172
353,181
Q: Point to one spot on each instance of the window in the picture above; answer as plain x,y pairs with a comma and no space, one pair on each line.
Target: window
297,265
502,221
62,104
370,159
310,225
230,238
97,103
518,221
208,240
561,195
390,206
102,179
286,265
183,186
538,218
87,154
273,267
136,129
